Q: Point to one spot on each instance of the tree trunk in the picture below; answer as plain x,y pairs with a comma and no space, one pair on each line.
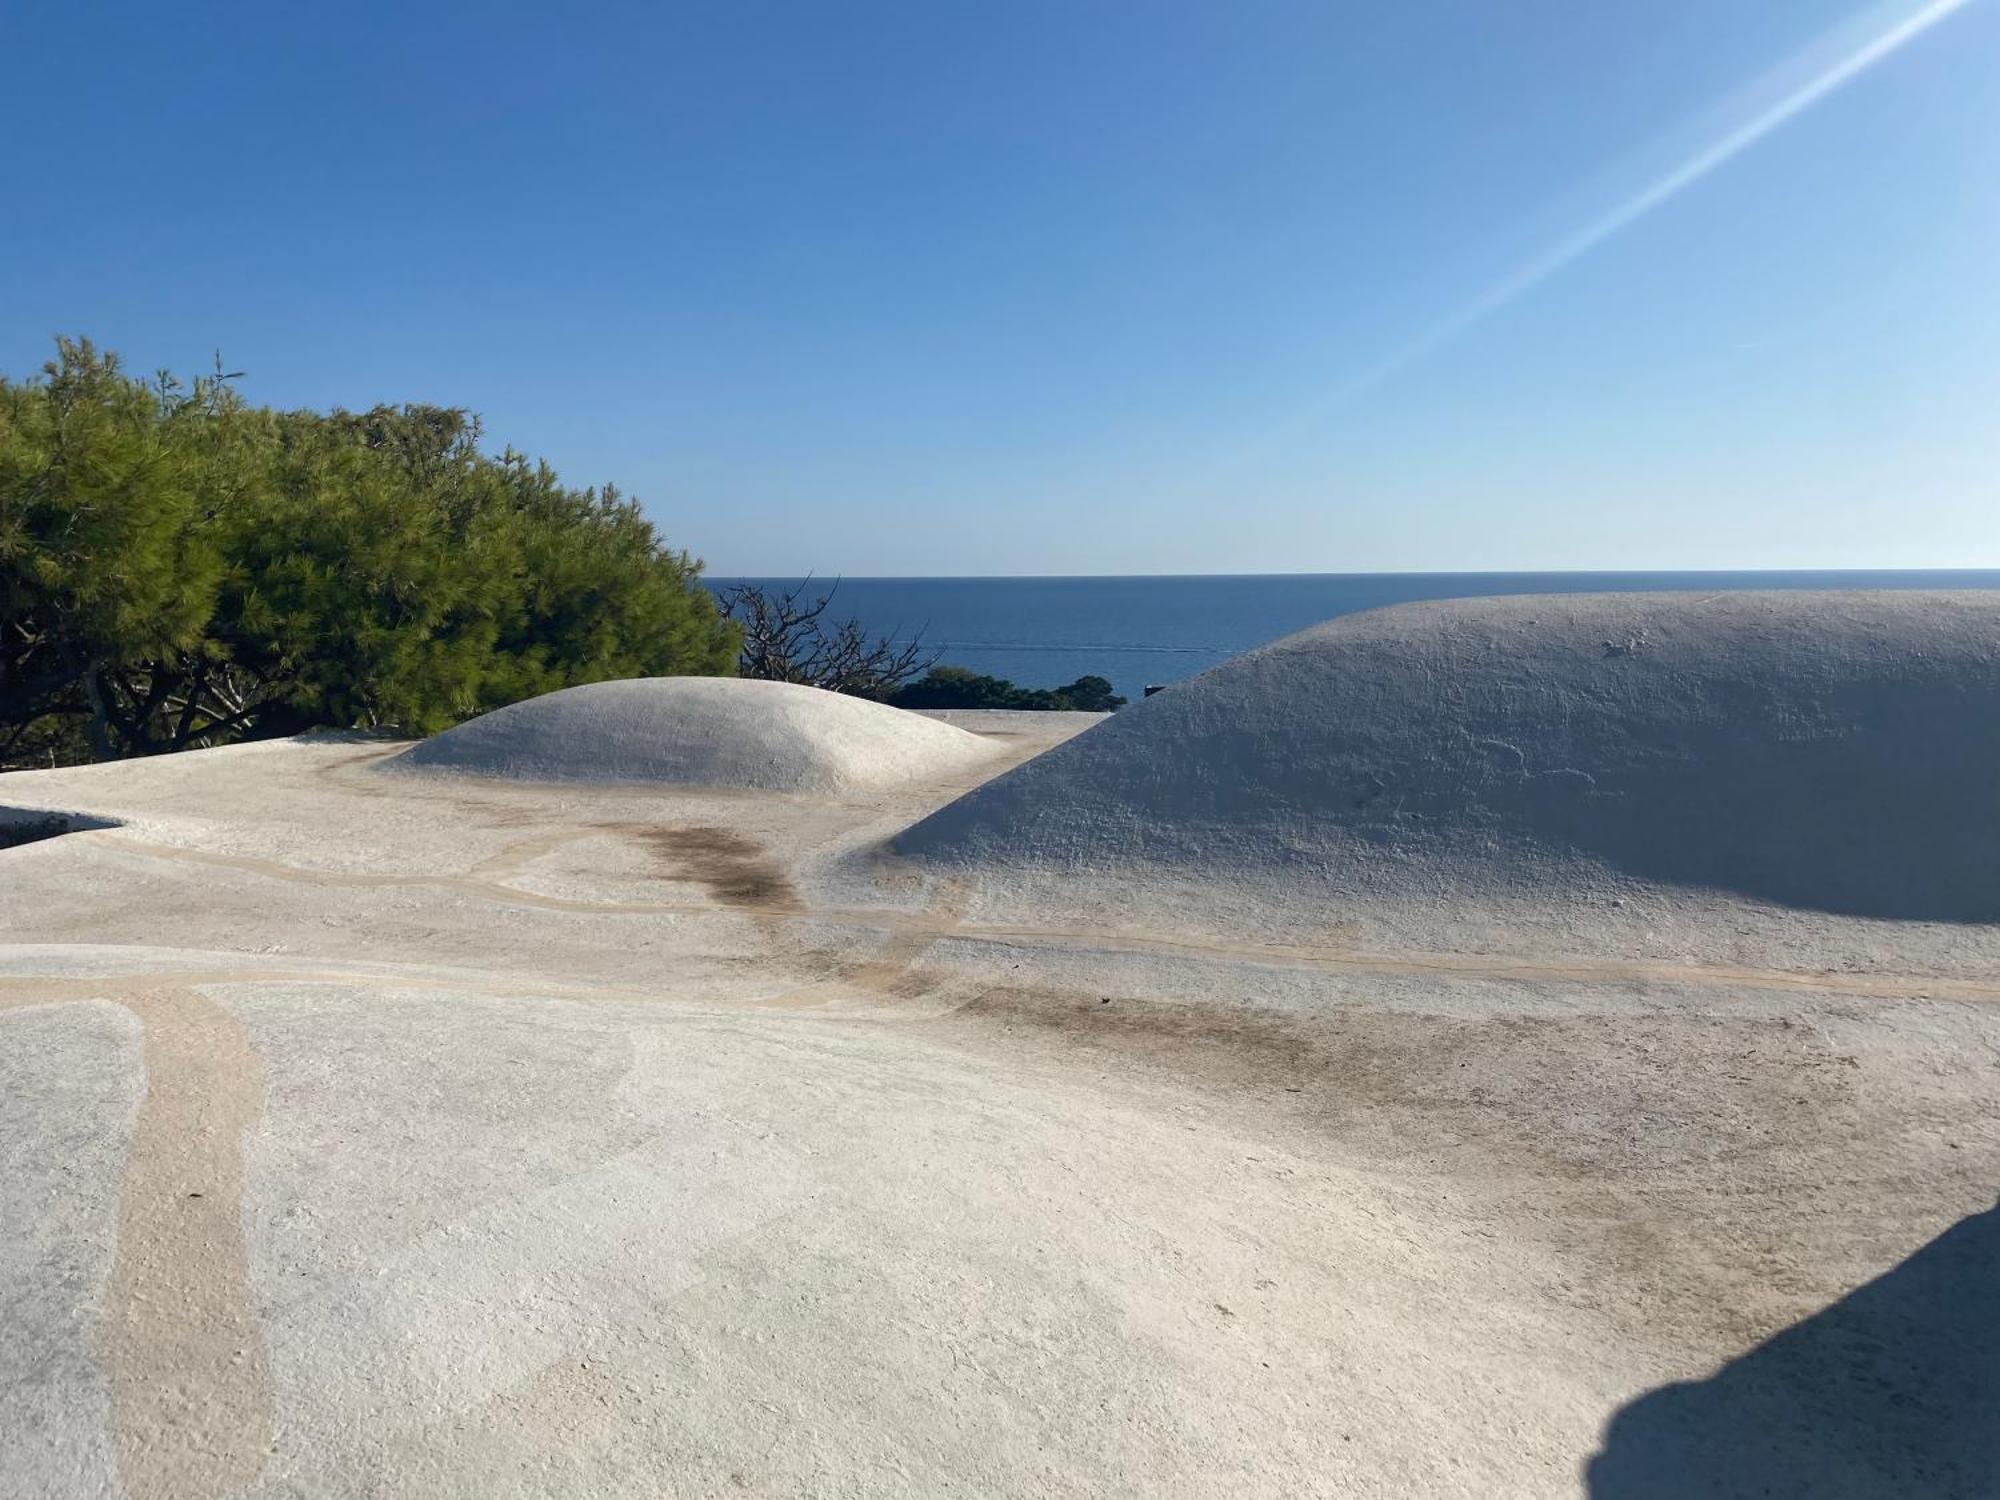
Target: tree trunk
101,745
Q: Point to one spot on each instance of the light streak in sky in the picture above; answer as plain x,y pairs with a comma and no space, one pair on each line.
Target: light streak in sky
1887,31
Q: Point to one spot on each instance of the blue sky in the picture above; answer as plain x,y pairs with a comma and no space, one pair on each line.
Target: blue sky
1074,287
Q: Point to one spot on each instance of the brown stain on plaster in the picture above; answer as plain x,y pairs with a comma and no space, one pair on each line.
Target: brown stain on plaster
735,870
1699,1170
177,1338
179,1341
929,925
892,970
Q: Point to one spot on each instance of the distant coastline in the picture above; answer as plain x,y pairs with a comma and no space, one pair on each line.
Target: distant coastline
1141,629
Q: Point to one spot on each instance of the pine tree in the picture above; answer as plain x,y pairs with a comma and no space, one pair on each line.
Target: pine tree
178,568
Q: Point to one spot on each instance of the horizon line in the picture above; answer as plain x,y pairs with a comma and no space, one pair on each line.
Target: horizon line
717,577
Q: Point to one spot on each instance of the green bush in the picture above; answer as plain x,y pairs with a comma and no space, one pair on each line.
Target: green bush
956,687
179,568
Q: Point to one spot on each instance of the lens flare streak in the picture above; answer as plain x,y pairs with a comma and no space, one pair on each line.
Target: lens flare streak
1901,25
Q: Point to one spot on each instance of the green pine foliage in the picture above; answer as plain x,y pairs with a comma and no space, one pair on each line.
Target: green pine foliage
959,687
179,568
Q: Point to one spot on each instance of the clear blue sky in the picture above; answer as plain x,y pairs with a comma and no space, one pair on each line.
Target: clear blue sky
1063,286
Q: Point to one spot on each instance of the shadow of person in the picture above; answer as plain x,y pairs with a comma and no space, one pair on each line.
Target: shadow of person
1891,1393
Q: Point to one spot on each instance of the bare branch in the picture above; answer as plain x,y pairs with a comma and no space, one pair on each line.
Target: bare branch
786,639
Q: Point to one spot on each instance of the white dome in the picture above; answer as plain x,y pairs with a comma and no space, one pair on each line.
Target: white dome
1838,751
704,731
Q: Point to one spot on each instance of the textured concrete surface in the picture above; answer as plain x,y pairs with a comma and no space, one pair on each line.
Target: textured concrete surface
375,1134
1673,760
704,731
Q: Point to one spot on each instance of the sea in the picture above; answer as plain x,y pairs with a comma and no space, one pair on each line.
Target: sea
1151,631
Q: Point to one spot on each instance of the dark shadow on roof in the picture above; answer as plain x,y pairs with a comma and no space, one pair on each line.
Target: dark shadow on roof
28,825
1891,1393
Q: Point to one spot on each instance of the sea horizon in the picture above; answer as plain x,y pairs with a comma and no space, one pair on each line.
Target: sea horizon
1141,630
1994,572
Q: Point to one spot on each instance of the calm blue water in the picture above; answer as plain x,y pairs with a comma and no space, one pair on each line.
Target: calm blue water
1043,632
